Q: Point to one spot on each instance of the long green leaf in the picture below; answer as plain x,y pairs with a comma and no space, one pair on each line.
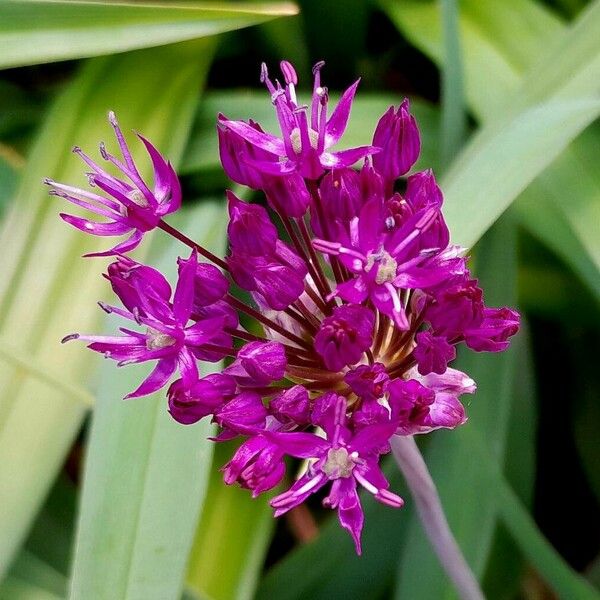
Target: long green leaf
502,41
570,72
501,160
146,475
41,31
470,506
31,569
46,290
454,117
232,539
555,571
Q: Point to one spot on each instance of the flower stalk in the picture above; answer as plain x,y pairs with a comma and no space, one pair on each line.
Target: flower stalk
430,511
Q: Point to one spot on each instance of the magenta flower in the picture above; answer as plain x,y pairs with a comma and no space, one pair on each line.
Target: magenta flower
129,204
343,459
168,338
359,301
305,138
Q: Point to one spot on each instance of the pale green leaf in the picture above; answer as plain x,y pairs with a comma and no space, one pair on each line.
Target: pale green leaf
501,42
232,538
504,157
146,475
41,31
46,289
454,117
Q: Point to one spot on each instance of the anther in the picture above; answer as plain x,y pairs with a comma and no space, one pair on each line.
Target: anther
289,73
68,338
318,66
264,72
105,307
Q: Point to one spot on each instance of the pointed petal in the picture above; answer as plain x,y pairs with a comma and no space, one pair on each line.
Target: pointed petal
263,140
350,511
184,291
157,378
346,158
300,445
103,229
129,244
271,168
339,118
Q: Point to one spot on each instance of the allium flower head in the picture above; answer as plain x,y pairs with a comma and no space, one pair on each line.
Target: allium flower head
359,297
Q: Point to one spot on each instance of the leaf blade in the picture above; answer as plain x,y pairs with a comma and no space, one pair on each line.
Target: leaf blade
41,31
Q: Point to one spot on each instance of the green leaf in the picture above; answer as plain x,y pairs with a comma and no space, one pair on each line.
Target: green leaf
538,210
501,41
31,569
46,289
520,524
146,475
202,151
41,31
503,158
232,538
18,589
469,506
454,117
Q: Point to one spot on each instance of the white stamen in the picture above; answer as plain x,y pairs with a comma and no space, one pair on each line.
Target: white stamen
155,340
137,197
338,464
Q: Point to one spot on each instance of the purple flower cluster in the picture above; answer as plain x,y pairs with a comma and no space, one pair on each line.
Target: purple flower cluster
361,303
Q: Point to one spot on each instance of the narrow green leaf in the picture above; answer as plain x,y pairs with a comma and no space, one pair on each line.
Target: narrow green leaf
232,538
41,31
18,589
31,569
454,117
202,152
540,553
46,289
470,506
146,475
503,158
539,212
503,40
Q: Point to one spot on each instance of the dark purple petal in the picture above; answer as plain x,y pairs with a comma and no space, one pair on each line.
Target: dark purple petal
263,361
433,353
345,336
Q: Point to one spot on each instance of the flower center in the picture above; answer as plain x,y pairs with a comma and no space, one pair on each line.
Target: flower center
296,139
386,266
338,464
137,197
155,340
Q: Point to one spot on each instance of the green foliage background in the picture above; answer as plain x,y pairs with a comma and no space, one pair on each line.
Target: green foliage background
104,499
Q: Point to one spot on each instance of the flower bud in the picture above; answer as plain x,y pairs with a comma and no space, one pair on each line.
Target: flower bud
398,137
340,194
344,336
287,194
250,229
292,405
263,361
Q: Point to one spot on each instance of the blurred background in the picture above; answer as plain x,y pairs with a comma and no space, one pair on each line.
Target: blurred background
110,499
